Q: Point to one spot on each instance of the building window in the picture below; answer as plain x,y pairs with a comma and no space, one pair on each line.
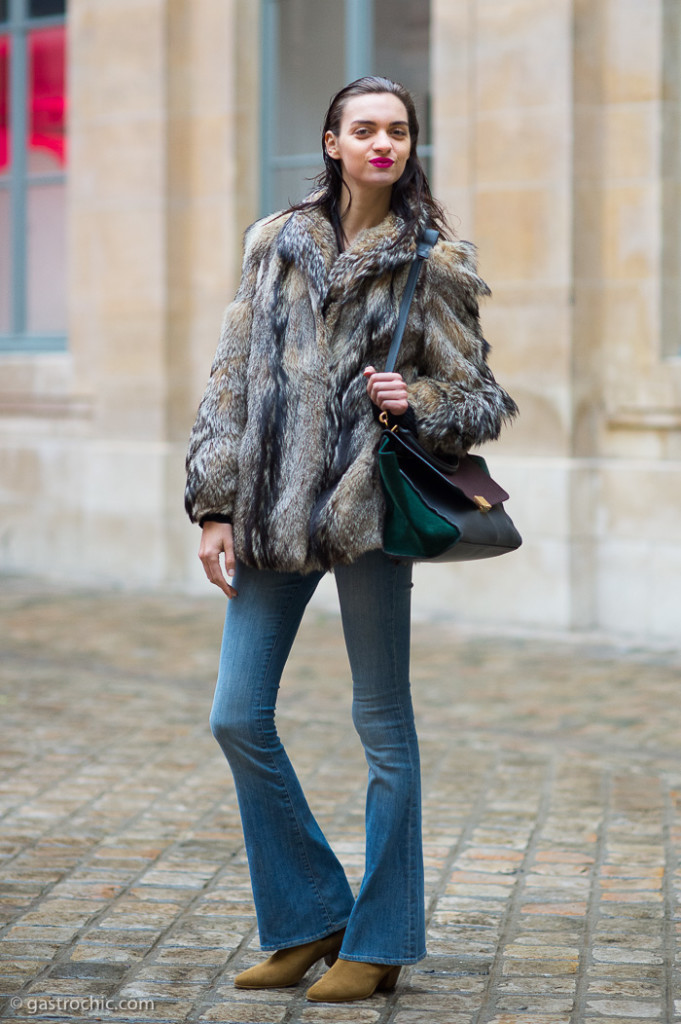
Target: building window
312,49
33,159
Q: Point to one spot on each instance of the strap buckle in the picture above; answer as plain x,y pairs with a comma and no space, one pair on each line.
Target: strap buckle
383,418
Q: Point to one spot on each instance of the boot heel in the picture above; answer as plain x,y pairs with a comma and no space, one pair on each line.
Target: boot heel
388,983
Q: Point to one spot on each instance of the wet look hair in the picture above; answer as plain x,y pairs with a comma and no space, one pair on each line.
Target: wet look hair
410,194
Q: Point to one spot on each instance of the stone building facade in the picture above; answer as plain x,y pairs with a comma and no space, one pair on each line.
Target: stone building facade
554,143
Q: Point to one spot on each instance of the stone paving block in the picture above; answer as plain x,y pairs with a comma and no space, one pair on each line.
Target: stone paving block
562,932
415,994
619,955
357,1014
621,987
537,986
629,972
108,954
434,1017
515,968
522,951
70,987
48,932
233,1013
534,1018
533,1006
41,952
625,1008
228,994
567,909
215,956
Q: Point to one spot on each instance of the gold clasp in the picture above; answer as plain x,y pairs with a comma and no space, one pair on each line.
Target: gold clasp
383,418
482,503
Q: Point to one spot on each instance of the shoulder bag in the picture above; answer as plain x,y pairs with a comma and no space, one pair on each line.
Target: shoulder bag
436,510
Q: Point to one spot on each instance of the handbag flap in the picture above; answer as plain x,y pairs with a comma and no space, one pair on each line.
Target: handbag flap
469,474
474,480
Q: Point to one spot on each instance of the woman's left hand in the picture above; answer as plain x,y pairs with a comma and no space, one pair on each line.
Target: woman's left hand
387,390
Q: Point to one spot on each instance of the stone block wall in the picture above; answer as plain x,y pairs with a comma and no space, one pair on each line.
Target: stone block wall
161,185
549,118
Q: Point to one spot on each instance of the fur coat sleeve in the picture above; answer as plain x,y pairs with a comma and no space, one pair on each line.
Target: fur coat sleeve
455,399
216,436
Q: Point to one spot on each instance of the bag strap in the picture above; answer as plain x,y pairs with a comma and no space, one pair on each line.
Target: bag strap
426,243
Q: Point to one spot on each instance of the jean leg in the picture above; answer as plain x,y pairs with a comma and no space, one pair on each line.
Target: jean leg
387,924
299,887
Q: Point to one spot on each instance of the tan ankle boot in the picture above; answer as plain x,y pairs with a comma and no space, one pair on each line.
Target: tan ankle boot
349,979
287,966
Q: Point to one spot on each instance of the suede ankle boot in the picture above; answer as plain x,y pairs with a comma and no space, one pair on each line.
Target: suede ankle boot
349,980
287,966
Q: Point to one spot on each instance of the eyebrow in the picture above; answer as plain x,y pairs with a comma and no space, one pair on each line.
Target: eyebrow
391,125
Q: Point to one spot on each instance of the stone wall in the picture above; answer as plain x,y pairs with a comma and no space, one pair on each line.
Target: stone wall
548,118
161,183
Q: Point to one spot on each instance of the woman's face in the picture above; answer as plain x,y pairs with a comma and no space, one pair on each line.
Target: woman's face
373,143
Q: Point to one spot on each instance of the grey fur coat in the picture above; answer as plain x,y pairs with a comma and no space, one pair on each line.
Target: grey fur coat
285,440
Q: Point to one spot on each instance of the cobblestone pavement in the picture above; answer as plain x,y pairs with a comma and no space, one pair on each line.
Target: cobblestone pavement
552,792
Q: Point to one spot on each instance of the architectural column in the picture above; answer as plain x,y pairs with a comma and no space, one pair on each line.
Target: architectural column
503,165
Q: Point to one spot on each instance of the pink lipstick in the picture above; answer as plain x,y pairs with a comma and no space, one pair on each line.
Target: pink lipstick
382,161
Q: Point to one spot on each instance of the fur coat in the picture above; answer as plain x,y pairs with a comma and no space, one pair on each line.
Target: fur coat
284,444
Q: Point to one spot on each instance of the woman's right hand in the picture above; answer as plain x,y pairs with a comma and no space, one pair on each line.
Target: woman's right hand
218,539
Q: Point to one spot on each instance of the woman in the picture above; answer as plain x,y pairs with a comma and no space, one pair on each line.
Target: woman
282,477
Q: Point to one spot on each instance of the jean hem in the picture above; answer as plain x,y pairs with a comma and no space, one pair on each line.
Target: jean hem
389,961
290,943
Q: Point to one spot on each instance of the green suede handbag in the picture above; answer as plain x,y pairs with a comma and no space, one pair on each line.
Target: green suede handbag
436,510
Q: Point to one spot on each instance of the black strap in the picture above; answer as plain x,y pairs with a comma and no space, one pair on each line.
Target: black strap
426,243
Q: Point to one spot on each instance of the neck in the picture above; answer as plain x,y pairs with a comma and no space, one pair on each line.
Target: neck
368,209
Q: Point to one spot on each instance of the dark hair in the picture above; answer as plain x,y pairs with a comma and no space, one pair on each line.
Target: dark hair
410,194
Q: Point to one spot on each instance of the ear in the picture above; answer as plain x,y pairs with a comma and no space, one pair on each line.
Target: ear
331,145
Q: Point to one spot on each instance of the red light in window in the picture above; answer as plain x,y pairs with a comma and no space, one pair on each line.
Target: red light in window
4,103
47,92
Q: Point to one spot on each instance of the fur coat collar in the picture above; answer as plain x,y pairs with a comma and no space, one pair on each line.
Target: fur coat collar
308,241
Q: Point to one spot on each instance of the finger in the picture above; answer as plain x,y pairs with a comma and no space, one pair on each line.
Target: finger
391,387
385,396
220,581
369,371
213,570
230,561
396,408
387,376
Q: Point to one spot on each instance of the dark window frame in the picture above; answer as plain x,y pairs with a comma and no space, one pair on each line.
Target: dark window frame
17,181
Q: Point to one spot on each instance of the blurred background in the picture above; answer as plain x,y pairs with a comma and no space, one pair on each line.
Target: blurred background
138,138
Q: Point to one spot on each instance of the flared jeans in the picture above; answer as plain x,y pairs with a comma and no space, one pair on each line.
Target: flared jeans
300,889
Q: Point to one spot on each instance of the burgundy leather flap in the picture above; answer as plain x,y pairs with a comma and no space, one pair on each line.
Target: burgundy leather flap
474,481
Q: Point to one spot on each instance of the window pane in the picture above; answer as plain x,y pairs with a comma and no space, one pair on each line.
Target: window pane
291,184
5,271
311,61
45,8
46,277
4,104
47,100
402,51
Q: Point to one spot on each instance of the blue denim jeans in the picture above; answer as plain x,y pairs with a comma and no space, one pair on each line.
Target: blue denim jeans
300,890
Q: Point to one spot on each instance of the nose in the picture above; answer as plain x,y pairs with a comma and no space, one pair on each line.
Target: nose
382,142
